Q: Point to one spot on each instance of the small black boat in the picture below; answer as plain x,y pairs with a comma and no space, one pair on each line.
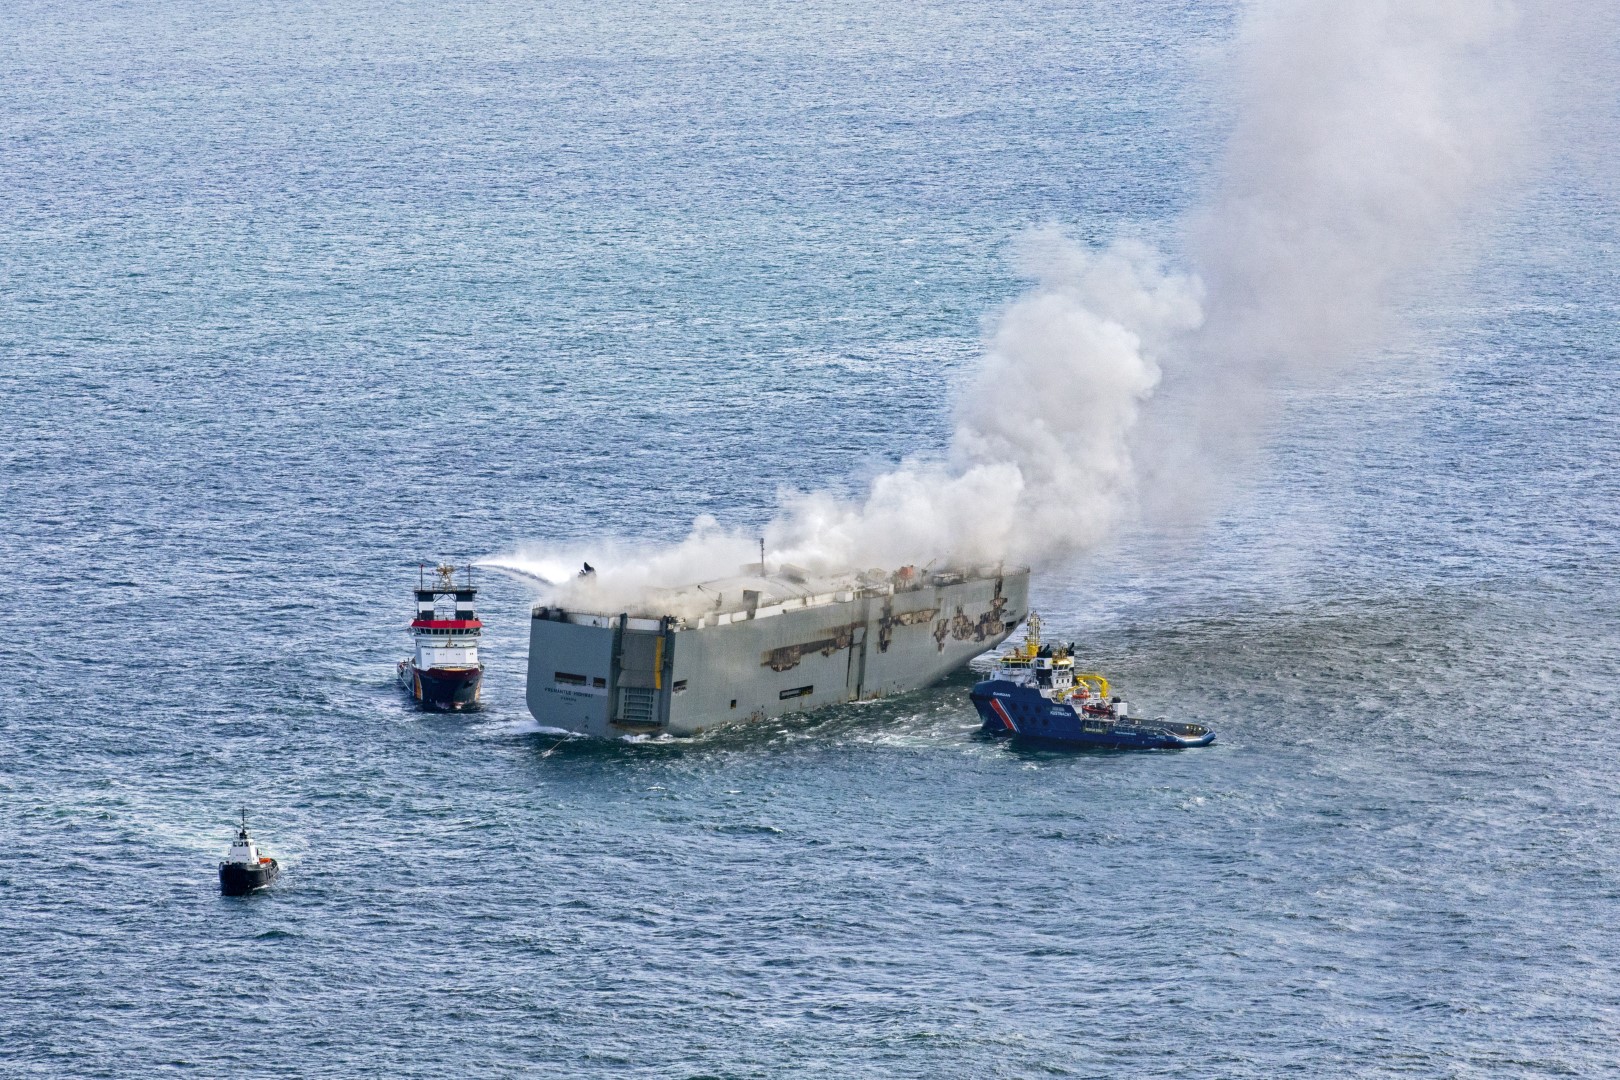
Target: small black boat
244,870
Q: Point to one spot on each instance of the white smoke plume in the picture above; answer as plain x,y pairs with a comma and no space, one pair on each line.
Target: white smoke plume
1039,465
1373,139
1368,134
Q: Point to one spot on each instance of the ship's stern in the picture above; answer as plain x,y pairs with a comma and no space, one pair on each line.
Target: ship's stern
571,666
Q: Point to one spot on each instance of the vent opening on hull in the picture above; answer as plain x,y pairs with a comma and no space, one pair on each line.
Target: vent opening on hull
570,678
797,691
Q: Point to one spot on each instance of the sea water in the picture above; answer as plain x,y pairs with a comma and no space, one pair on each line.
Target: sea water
295,296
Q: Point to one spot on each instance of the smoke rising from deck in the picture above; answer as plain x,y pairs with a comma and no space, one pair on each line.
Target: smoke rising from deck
1039,465
1368,136
1372,140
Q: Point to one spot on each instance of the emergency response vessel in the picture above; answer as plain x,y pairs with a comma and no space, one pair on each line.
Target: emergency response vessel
443,672
763,644
245,870
1034,693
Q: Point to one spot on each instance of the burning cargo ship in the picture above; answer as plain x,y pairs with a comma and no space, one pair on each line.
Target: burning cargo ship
763,644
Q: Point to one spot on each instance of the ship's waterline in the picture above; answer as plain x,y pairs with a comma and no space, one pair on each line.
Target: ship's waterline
761,645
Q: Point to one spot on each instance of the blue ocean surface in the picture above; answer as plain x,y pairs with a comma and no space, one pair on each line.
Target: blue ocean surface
296,295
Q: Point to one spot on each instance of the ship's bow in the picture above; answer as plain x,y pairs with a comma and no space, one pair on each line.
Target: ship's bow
448,688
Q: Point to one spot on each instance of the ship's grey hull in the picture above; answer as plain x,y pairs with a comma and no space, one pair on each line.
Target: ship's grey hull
609,676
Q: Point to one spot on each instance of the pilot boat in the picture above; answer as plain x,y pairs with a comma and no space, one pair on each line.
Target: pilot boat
245,870
1035,694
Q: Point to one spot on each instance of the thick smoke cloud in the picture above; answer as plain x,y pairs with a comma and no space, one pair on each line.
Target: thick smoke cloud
1052,477
1368,136
1372,140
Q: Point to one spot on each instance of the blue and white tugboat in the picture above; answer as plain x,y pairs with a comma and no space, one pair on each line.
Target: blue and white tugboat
444,672
1035,694
244,870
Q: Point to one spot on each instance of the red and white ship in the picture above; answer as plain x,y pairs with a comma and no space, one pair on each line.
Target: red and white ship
444,673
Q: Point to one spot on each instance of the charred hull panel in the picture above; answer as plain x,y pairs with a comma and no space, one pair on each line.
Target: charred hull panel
240,879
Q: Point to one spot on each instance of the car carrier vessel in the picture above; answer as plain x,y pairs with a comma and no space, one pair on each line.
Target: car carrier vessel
763,644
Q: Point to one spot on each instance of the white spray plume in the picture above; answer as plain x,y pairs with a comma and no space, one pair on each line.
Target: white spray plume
1366,133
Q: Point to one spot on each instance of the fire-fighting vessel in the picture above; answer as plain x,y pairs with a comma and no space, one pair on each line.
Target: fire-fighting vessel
1034,693
444,672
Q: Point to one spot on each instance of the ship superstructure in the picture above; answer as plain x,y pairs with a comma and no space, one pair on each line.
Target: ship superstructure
443,671
763,644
